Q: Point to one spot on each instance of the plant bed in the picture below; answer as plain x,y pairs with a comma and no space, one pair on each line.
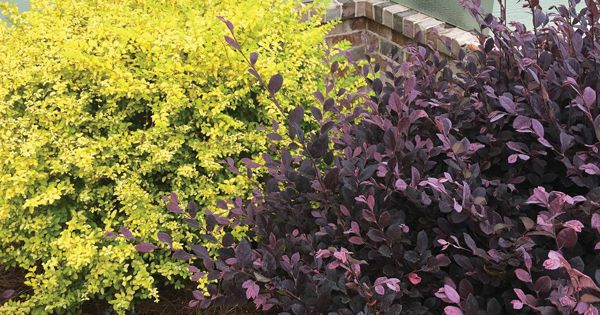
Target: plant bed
12,283
466,187
104,107
456,187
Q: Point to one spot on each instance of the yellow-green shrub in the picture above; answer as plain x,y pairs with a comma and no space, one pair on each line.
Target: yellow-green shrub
107,105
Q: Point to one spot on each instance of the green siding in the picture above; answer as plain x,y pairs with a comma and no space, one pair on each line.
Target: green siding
449,11
22,4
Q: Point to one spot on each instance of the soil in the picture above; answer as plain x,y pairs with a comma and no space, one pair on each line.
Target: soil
171,302
12,279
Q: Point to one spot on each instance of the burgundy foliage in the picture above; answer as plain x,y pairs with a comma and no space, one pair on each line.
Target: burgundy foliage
469,187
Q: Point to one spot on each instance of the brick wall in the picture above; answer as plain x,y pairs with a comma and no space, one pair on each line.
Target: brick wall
387,27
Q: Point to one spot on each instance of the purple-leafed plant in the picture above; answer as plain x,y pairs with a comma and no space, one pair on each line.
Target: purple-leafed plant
469,188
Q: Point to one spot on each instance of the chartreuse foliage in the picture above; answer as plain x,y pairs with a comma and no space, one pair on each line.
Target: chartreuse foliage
107,105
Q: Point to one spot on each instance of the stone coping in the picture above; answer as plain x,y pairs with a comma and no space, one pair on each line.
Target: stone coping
411,24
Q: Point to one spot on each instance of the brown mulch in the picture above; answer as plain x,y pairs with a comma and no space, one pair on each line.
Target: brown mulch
13,279
166,306
171,302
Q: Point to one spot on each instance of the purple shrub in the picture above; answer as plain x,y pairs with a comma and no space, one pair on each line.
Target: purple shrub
464,188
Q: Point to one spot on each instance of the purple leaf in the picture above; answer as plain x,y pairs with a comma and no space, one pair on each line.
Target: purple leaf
496,115
231,261
537,127
597,127
543,284
193,303
570,81
520,294
275,83
517,305
253,58
452,294
7,294
319,96
545,143
400,184
575,225
577,41
198,295
254,73
566,238
566,141
274,137
596,221
200,251
507,104
193,269
126,233
110,235
371,202
523,275
590,168
334,66
145,247
227,22
522,123
369,216
252,289
192,209
316,113
589,96
328,105
243,253
376,235
173,203
395,102
540,17
452,310
192,222
232,42
296,115
182,255
553,262
249,163
165,238
414,278
356,240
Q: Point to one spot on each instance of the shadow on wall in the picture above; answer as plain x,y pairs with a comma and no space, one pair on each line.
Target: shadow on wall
516,12
452,12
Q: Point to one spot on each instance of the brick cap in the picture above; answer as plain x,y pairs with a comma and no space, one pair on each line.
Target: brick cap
413,22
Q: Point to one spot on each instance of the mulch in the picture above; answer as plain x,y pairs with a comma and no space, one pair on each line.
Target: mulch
172,302
13,279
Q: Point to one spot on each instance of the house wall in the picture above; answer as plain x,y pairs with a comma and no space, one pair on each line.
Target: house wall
387,27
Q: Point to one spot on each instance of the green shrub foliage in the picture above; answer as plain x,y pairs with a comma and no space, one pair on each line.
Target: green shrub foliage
107,105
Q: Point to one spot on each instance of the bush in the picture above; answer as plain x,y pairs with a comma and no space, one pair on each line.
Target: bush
466,192
106,105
